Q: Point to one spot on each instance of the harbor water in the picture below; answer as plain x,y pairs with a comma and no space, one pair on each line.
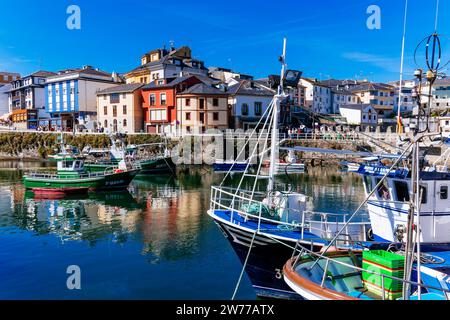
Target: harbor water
154,241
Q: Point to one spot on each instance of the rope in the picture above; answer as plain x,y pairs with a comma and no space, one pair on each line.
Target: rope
243,267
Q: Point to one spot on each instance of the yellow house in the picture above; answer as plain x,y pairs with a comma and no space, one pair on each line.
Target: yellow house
162,63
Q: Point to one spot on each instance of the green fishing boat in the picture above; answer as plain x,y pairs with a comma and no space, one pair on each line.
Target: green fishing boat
72,177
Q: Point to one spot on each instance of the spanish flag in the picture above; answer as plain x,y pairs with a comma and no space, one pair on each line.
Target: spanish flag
399,125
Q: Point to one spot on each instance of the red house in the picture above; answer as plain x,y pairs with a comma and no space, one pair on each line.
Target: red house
159,103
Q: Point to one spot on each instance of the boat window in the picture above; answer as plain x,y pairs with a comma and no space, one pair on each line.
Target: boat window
423,194
401,190
444,192
67,164
383,190
368,183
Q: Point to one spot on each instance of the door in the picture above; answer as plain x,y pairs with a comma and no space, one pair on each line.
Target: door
202,117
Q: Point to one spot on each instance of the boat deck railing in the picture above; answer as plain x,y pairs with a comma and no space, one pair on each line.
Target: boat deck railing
305,252
322,224
62,176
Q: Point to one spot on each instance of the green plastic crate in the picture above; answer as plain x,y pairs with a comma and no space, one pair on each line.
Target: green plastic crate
383,263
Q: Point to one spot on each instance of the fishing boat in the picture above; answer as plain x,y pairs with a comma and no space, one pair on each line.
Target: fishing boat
366,275
149,163
229,165
71,176
289,164
262,221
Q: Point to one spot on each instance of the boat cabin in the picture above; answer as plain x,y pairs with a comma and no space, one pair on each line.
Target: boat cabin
70,165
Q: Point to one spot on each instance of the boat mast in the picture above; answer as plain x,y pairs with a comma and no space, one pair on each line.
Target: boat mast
399,104
274,141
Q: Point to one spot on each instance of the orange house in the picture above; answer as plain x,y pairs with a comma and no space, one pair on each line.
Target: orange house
159,103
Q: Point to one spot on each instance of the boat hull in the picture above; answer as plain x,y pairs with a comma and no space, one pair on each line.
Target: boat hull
162,165
117,180
225,167
265,262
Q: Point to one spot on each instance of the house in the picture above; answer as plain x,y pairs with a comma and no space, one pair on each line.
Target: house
440,93
228,75
407,102
119,108
162,63
4,104
317,96
71,96
8,77
359,114
444,125
379,95
248,101
160,103
26,100
202,107
341,97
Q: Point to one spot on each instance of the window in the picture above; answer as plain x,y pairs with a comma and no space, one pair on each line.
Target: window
423,194
368,184
188,129
244,109
163,99
188,116
401,190
215,116
124,96
114,111
258,108
125,122
104,97
106,124
72,91
215,102
158,115
152,99
114,98
124,109
105,110
188,102
443,192
383,190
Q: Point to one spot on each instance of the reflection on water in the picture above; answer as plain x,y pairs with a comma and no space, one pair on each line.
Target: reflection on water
153,241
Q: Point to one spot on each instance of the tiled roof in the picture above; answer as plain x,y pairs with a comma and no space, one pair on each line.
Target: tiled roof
372,86
250,88
43,73
201,88
124,88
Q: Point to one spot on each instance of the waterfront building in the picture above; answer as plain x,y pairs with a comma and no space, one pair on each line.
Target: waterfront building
119,108
4,104
317,96
440,93
379,95
26,100
248,102
162,63
444,125
407,103
8,77
227,75
341,97
359,114
160,103
71,96
202,107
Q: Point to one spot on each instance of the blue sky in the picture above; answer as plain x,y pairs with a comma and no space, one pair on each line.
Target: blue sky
325,38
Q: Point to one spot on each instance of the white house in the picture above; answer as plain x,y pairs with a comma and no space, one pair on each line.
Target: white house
407,102
341,97
248,102
4,104
317,96
440,94
359,114
444,125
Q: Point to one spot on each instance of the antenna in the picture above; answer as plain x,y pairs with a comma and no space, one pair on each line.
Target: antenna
400,88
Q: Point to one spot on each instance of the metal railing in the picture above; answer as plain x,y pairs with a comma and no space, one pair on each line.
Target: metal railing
322,224
318,256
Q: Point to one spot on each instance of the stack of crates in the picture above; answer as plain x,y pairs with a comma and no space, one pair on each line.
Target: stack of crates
383,263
